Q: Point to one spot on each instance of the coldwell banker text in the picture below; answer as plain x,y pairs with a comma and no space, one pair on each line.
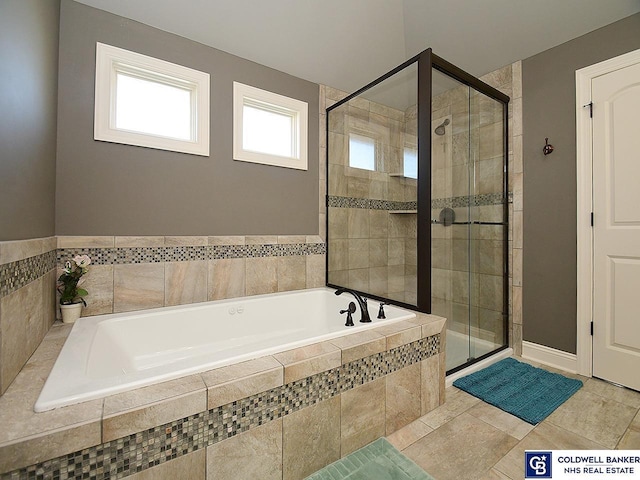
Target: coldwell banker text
599,465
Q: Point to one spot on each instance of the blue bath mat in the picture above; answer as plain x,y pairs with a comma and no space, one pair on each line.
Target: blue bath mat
527,392
377,461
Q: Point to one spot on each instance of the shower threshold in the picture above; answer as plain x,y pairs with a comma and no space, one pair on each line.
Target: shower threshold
481,363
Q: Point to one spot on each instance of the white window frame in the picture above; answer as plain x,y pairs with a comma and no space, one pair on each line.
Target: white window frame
112,60
374,140
297,109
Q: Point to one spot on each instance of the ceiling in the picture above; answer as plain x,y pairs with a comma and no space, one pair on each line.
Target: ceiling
348,43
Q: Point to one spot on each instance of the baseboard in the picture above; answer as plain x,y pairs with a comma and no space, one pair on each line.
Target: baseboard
550,356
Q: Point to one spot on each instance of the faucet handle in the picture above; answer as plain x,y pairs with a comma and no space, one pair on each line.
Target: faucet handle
381,314
351,309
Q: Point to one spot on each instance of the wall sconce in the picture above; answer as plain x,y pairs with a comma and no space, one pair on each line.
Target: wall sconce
548,148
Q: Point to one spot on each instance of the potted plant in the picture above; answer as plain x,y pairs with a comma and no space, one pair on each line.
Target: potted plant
71,300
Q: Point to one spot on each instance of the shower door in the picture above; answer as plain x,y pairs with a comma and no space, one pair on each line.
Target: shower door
469,218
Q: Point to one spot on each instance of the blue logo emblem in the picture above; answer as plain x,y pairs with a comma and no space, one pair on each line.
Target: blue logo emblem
537,465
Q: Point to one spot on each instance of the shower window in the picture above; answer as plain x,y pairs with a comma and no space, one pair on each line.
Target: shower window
362,152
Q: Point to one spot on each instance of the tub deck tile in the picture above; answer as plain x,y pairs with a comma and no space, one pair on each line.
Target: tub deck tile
147,407
234,382
400,333
360,345
306,361
27,437
431,324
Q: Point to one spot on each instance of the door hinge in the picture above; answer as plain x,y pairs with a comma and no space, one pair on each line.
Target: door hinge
590,105
592,329
592,219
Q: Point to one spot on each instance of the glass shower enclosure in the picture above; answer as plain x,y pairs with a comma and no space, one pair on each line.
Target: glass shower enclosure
417,211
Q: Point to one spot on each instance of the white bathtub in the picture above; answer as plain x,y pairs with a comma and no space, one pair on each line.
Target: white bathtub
114,353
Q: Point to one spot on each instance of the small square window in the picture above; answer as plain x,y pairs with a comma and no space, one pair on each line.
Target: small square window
148,102
269,128
410,162
362,152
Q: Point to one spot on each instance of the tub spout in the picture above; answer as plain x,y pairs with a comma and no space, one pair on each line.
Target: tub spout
362,302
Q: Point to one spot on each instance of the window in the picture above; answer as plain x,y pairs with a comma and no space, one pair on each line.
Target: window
269,128
362,152
410,162
148,102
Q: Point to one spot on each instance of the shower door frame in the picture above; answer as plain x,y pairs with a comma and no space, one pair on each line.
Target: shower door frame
427,61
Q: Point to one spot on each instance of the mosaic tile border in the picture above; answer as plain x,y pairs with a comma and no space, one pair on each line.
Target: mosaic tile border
128,455
436,203
132,255
15,275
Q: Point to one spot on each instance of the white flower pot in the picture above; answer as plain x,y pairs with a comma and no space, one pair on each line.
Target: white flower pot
71,313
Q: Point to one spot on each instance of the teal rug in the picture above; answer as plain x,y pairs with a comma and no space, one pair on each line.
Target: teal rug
527,392
377,461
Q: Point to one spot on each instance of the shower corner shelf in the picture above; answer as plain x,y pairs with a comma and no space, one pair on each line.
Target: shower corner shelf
402,212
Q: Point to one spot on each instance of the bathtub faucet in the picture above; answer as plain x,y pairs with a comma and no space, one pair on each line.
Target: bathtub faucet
362,302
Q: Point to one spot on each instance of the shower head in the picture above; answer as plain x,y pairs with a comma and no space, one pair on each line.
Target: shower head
440,128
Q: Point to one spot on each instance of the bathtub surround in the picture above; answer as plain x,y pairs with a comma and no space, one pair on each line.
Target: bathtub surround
135,273
263,408
27,301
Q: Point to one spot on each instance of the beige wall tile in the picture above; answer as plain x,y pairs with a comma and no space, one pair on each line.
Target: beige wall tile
226,278
362,413
305,361
22,327
261,275
261,239
227,240
179,241
185,282
13,251
403,397
430,383
49,304
292,273
146,241
231,383
291,239
316,265
137,287
85,242
311,439
99,283
256,453
191,466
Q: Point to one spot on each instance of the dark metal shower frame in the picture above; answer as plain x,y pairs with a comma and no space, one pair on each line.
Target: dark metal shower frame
427,61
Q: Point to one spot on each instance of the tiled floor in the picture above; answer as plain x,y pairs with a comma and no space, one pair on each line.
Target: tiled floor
467,439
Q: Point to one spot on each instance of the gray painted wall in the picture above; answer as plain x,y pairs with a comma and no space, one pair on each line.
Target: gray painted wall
112,189
549,264
28,103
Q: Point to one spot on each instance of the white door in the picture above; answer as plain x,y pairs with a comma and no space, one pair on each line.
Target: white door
616,231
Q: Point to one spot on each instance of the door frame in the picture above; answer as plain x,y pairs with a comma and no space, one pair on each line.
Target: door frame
584,179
